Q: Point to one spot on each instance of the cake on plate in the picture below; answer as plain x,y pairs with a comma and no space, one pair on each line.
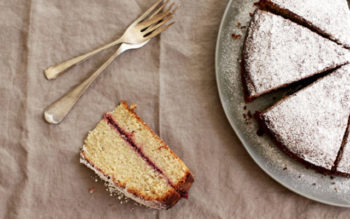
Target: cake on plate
310,124
331,18
278,52
126,153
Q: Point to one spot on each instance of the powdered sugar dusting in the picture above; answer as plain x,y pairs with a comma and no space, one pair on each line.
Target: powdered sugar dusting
330,16
296,177
344,163
312,122
279,52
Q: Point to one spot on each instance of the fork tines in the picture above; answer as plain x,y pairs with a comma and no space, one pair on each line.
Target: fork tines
154,19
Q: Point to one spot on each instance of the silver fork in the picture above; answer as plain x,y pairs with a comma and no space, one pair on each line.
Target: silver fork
58,110
142,29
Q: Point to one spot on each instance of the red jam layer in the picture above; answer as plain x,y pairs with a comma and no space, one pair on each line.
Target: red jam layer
128,138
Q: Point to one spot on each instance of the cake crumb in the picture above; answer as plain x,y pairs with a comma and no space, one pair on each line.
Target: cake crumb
332,183
285,168
250,114
313,184
163,146
335,189
250,14
133,106
91,190
236,36
238,24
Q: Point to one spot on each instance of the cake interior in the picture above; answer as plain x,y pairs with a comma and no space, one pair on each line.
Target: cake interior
154,148
110,154
125,152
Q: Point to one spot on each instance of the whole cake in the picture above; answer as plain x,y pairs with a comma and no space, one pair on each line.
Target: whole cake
127,154
278,52
310,124
331,18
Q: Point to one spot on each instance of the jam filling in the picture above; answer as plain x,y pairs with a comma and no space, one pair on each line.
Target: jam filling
128,138
183,194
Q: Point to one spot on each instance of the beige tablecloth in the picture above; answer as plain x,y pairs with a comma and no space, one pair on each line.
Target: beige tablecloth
172,80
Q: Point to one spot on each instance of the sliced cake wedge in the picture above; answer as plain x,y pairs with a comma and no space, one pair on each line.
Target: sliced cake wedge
278,52
330,18
125,152
310,124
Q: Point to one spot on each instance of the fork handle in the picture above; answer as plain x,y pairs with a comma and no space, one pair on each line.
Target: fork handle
56,112
56,70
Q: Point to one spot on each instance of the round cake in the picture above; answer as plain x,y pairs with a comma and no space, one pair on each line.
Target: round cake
286,44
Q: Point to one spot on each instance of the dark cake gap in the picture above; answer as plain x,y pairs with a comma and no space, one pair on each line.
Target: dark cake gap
341,150
290,89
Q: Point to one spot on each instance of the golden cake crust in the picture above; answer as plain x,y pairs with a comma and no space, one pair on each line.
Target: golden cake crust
175,188
164,202
185,183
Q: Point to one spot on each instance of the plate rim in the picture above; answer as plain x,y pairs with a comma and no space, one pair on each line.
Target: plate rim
235,128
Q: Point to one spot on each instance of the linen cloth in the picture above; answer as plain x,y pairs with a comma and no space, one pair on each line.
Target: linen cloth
172,80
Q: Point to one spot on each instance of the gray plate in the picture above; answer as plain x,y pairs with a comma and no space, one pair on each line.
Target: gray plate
276,164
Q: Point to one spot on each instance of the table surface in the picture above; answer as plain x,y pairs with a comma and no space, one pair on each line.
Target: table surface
172,80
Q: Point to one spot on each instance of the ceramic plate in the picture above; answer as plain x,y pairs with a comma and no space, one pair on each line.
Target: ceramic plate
286,171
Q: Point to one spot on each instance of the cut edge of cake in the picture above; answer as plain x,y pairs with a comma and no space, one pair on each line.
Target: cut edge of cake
165,202
344,154
168,198
184,183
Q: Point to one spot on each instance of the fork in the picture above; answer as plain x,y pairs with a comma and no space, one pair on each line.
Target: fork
142,29
153,26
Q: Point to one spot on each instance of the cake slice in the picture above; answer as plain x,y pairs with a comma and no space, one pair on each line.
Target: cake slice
330,18
310,124
343,164
278,52
125,152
